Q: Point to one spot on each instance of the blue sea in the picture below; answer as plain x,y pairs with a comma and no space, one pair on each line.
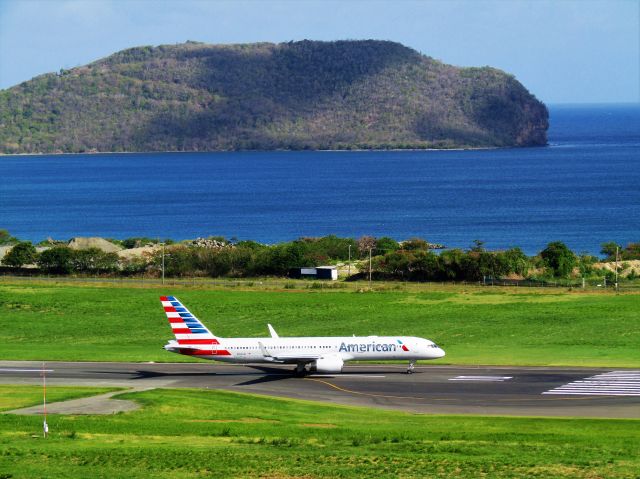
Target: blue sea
583,189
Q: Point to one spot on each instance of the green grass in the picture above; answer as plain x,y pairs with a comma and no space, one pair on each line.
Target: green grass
191,433
15,397
474,325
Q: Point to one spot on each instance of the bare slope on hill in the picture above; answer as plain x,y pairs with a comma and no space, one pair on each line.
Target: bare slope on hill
298,95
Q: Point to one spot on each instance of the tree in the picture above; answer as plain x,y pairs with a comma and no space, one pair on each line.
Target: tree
94,260
6,238
478,246
609,250
365,244
516,261
178,261
137,242
216,262
385,245
451,262
559,259
21,254
57,260
425,266
585,263
415,244
632,251
396,263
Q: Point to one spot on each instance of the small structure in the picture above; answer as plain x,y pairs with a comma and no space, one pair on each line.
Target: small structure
327,272
319,272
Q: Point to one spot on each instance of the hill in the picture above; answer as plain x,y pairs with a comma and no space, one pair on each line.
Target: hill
297,95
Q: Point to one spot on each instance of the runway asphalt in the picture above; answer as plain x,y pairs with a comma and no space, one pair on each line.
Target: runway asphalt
517,391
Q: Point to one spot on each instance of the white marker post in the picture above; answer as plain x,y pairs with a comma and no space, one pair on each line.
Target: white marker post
45,426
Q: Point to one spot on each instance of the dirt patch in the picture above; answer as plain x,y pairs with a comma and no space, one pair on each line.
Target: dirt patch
100,404
141,252
319,425
625,268
100,243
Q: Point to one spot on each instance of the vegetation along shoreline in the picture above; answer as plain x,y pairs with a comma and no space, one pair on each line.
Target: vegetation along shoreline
367,257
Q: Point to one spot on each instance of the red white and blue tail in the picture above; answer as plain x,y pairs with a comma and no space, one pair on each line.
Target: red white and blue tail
186,327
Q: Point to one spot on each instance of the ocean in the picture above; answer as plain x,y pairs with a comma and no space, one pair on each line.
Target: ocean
583,189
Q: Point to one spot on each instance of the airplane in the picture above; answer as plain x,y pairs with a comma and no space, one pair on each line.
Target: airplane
325,355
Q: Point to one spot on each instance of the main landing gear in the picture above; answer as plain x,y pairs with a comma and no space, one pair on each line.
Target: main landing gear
411,367
300,370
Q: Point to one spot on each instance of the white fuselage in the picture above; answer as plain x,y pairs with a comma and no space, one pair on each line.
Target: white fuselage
348,348
320,354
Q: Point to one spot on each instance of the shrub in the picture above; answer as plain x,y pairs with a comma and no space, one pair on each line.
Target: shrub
559,259
56,260
21,254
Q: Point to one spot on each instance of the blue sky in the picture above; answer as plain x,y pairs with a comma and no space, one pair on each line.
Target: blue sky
564,51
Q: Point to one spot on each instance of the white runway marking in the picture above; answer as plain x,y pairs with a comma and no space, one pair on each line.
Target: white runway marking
614,383
345,376
11,370
489,379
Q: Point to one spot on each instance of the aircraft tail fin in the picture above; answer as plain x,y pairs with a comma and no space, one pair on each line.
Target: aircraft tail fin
186,327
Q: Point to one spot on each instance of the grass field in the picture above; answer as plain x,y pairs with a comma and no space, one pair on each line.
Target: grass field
475,326
191,433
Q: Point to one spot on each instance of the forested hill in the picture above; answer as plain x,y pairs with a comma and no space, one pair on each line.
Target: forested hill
297,95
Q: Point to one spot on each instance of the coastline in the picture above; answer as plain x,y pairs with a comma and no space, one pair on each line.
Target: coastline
354,150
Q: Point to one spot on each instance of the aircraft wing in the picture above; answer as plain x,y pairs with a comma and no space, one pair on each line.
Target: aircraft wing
288,357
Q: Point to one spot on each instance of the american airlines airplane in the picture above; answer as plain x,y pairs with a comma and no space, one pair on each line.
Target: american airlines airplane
320,354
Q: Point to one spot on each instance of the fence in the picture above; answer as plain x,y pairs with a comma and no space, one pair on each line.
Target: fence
283,283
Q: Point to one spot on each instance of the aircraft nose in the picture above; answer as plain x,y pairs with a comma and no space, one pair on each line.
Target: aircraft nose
440,353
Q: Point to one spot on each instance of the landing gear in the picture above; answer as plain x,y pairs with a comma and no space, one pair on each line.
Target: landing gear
411,367
300,370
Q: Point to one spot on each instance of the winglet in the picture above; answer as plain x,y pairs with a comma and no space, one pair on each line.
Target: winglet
272,331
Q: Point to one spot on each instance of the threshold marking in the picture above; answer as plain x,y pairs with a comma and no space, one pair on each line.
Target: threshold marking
614,383
487,379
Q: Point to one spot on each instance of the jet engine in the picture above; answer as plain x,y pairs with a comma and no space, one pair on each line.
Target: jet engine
328,364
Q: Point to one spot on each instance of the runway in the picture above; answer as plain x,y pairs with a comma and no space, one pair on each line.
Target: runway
517,391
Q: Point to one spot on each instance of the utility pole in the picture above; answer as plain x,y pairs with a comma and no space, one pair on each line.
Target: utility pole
162,263
349,267
616,269
369,268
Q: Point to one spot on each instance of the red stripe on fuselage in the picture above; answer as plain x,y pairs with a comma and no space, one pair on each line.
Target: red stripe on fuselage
205,352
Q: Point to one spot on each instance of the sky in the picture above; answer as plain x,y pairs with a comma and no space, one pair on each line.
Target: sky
563,51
